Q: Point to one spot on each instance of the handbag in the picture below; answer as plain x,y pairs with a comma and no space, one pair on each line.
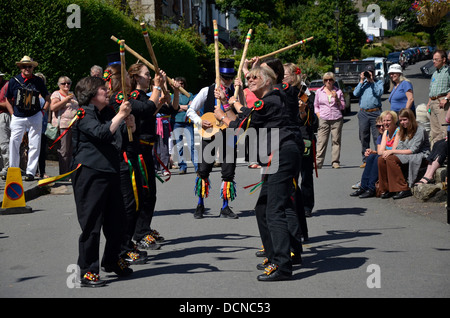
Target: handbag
51,131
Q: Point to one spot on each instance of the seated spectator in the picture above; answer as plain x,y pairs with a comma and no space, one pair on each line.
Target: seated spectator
370,173
411,146
435,160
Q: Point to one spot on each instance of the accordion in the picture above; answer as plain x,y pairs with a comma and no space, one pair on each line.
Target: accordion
27,98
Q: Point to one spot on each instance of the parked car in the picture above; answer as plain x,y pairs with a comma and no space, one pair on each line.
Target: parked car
316,84
381,71
397,58
428,69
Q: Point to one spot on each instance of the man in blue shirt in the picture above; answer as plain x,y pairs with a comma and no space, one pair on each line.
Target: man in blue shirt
22,97
184,128
369,91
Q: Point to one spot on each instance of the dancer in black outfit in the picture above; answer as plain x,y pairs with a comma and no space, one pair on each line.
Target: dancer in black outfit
97,141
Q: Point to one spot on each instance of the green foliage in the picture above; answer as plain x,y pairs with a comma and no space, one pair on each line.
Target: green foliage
38,28
279,23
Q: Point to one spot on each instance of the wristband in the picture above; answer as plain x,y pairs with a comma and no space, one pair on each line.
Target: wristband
157,87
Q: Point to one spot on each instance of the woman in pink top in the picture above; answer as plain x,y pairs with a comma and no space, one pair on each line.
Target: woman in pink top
328,105
64,107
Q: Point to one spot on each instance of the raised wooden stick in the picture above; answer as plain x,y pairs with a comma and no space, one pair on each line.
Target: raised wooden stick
244,54
152,53
286,48
147,63
123,70
216,58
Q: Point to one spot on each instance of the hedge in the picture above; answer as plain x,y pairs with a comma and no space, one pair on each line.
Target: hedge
39,29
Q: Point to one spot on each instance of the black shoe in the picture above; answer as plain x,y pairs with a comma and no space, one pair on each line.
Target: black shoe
357,192
367,194
198,214
29,177
262,266
402,194
308,213
261,253
387,195
92,280
272,274
121,268
227,213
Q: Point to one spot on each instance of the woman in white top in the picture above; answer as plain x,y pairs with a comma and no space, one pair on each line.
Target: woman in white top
64,107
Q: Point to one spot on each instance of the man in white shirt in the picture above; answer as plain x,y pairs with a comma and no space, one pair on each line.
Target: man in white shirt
206,101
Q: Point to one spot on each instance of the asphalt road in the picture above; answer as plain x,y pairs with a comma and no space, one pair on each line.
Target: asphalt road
369,248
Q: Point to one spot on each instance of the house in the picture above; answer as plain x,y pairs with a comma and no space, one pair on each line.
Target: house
371,21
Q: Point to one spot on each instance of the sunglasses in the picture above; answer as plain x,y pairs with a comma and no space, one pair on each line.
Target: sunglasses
27,66
328,80
378,126
253,77
65,83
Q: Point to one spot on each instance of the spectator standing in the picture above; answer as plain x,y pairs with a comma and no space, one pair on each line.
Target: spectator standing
5,130
64,106
96,71
23,97
183,127
439,96
402,95
328,105
43,153
369,92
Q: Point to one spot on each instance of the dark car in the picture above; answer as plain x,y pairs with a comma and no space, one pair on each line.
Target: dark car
316,84
394,57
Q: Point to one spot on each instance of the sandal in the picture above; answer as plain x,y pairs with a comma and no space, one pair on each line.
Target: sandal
428,181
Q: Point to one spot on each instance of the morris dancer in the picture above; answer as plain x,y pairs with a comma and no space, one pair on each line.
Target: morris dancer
205,100
96,183
144,235
274,202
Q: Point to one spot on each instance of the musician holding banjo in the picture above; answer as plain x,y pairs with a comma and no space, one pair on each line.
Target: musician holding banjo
206,101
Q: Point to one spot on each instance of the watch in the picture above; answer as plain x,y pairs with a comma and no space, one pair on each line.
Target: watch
157,87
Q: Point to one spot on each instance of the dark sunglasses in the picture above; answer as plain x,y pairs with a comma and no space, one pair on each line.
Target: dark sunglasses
251,77
378,126
328,80
27,66
69,83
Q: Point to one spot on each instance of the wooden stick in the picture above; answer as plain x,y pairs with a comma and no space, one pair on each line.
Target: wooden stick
152,53
244,54
122,77
147,63
286,48
216,56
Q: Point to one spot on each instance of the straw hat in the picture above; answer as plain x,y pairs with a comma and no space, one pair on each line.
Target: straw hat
27,60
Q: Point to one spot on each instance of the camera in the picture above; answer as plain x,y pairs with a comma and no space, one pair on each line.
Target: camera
367,75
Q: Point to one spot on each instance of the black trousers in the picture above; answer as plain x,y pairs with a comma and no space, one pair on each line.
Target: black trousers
132,208
148,201
99,205
275,206
226,145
